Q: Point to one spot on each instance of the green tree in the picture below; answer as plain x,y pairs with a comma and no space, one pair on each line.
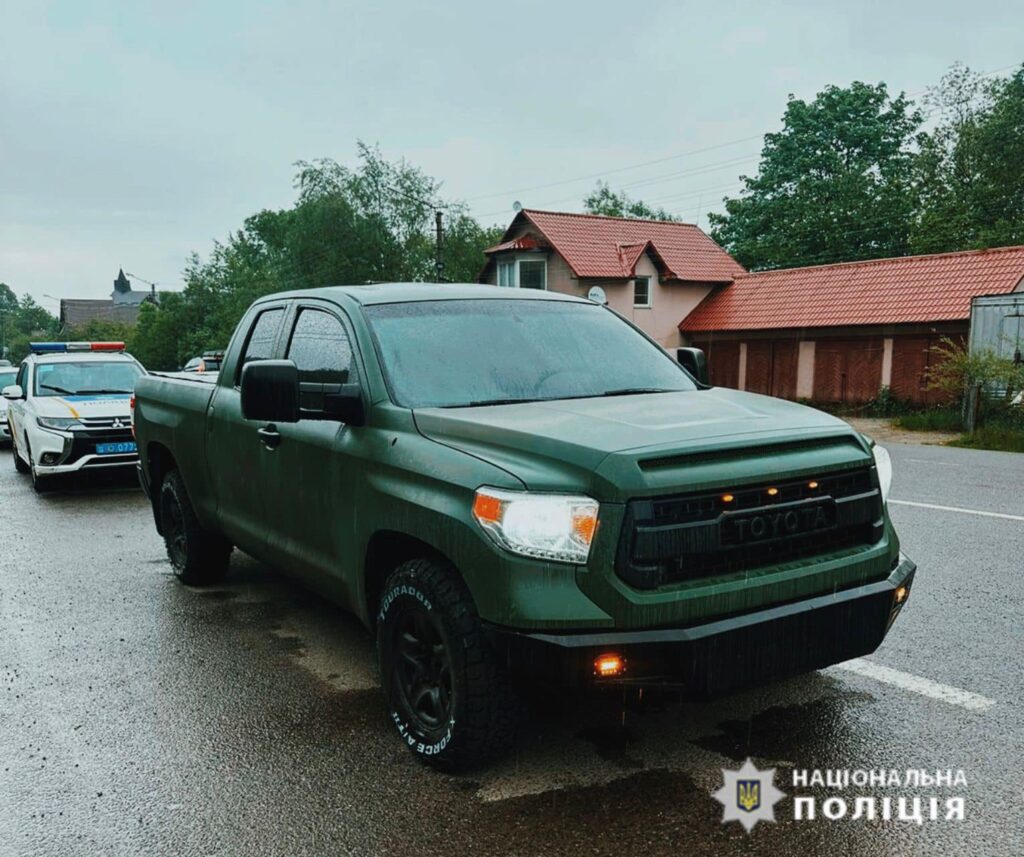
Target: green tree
101,330
8,308
835,184
26,323
371,223
603,200
970,170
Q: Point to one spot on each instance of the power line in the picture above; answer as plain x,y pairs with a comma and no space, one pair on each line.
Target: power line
616,170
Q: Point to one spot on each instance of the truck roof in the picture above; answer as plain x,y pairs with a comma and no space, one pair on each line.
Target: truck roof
389,293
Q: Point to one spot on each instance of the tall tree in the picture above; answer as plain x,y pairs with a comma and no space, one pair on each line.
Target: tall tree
970,171
834,184
603,200
370,223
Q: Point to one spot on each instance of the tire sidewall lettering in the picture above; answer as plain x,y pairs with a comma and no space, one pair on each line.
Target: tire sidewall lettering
409,736
397,592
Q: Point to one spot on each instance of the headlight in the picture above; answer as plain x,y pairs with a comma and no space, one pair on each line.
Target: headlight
57,423
545,526
883,464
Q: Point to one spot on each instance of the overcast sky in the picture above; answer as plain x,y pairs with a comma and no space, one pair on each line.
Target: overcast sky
132,134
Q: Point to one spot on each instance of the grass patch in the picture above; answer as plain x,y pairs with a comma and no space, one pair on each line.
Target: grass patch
995,437
935,419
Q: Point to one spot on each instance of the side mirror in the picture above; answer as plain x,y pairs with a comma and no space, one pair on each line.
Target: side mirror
13,392
694,361
270,391
345,405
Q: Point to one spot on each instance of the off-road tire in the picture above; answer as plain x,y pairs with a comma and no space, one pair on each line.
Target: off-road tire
19,464
197,556
480,718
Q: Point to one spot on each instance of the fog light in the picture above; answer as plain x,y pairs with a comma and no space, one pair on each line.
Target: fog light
901,594
609,665
50,458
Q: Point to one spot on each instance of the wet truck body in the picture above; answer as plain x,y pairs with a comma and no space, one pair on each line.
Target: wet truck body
503,483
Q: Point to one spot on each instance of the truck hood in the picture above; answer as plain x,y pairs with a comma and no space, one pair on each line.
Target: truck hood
85,407
613,448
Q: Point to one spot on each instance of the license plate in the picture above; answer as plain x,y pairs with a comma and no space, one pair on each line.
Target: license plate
115,448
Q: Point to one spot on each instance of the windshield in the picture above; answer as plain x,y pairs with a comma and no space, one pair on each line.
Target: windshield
86,378
7,377
476,352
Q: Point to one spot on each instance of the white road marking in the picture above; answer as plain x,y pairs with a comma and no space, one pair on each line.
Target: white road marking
959,509
918,684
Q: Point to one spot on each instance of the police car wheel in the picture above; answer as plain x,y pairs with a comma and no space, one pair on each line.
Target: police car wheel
197,556
41,484
19,463
447,695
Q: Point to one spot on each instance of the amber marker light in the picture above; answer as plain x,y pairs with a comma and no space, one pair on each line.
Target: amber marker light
773,492
609,665
812,485
487,509
584,525
727,498
901,595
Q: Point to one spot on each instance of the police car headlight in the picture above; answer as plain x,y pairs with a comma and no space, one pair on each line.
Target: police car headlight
883,464
557,527
57,423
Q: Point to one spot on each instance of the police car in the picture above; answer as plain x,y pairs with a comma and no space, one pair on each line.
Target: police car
7,373
69,409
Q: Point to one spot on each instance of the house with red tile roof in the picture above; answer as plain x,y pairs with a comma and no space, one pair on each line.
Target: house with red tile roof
653,272
839,333
829,333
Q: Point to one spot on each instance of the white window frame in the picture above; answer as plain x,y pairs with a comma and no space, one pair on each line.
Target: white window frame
514,263
510,266
650,293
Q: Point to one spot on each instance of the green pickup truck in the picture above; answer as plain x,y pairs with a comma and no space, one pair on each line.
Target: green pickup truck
512,485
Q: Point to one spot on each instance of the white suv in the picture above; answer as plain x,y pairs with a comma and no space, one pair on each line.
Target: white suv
69,409
7,374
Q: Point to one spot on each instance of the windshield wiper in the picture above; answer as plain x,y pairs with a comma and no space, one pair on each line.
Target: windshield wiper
480,403
60,390
636,391
98,392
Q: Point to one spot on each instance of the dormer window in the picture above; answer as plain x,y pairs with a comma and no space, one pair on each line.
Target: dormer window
523,272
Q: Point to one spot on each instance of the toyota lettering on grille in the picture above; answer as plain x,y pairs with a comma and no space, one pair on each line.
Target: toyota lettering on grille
778,522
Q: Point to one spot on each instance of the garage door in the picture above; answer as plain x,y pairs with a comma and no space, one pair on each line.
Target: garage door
723,362
912,358
771,367
847,370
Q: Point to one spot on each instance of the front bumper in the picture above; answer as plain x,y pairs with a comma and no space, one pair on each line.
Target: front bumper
55,452
725,655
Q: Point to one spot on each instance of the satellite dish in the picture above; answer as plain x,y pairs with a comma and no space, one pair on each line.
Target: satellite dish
597,295
517,206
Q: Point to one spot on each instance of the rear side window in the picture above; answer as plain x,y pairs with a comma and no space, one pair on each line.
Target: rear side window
262,337
320,348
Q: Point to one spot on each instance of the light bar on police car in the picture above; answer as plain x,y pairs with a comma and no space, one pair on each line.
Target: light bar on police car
64,347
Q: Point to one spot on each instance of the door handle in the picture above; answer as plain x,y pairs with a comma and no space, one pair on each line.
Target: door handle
270,436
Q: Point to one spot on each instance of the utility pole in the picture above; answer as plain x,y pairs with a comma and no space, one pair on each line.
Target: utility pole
439,229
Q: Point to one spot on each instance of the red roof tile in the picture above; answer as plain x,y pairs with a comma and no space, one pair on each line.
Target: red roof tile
523,242
609,247
911,289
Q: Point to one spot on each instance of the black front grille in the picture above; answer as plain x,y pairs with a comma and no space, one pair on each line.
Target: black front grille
692,536
85,441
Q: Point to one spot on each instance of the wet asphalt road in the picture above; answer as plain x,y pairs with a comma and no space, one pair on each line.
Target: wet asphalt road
138,716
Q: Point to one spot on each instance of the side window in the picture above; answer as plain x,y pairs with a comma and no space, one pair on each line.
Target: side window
320,348
262,337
